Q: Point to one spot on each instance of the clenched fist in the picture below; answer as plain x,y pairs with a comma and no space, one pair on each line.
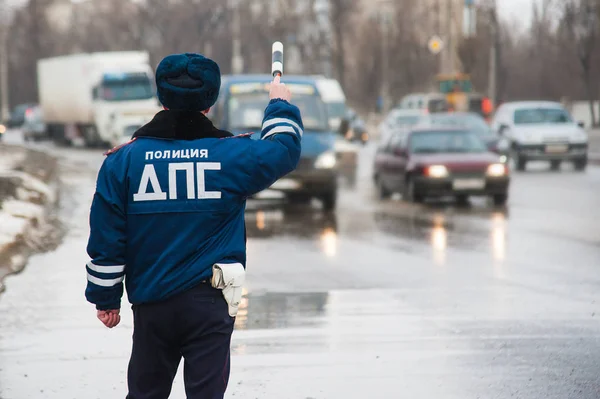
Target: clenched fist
110,318
279,90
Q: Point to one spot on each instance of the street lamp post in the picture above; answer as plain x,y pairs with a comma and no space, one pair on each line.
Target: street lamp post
237,60
385,19
493,74
5,20
5,113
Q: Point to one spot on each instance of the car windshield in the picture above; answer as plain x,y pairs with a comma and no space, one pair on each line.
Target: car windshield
541,115
474,123
129,89
434,142
246,110
336,110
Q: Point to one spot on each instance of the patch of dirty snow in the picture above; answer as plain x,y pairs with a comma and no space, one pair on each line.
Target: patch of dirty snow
8,160
10,227
23,209
30,187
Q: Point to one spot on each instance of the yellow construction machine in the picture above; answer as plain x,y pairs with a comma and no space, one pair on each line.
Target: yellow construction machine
460,95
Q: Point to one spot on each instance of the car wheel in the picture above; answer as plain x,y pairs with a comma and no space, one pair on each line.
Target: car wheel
500,199
555,165
581,164
410,193
329,200
382,192
520,163
462,199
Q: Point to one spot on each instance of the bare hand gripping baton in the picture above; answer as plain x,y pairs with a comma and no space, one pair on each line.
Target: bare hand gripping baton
277,58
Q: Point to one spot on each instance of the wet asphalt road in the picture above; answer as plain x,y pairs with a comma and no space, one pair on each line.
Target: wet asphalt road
380,299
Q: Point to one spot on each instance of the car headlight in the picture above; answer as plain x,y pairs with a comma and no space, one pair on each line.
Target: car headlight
437,171
326,160
496,170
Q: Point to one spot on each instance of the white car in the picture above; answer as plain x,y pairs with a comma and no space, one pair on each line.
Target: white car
399,119
541,130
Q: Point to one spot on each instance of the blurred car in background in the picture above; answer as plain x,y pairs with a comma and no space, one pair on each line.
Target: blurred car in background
17,116
34,127
541,130
475,123
334,98
400,119
439,162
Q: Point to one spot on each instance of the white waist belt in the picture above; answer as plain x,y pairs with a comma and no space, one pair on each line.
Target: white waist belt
229,277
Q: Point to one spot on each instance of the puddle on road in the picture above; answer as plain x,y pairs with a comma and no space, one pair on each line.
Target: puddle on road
281,310
443,228
280,223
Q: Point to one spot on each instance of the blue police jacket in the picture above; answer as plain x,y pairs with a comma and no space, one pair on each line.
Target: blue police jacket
170,204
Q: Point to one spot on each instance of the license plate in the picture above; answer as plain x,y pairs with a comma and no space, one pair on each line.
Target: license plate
468,184
557,148
286,184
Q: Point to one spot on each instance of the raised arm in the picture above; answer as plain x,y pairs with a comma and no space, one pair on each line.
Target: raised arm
278,151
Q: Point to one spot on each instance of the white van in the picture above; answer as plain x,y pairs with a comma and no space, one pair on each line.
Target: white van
334,98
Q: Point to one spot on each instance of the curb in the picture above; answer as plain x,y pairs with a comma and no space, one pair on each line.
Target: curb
29,198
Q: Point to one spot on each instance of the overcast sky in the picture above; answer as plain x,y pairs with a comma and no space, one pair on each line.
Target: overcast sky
520,10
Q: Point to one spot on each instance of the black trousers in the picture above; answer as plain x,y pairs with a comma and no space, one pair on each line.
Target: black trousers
194,325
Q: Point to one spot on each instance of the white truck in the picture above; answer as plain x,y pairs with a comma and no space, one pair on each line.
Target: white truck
96,98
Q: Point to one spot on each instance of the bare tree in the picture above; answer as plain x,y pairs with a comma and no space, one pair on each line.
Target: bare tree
341,15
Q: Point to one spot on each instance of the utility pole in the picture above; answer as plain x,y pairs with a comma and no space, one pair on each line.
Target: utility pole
442,54
5,18
450,41
237,60
5,114
493,67
385,18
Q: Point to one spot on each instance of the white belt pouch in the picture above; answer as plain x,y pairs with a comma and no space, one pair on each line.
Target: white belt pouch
229,277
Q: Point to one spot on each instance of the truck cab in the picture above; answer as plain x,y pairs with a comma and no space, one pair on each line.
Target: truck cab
240,109
94,97
121,100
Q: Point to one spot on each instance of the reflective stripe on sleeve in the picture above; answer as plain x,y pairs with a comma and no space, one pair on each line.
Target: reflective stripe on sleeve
106,269
279,129
274,121
104,283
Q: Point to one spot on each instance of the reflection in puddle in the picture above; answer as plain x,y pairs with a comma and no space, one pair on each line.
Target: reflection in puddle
439,239
260,220
443,230
280,310
329,242
498,236
309,225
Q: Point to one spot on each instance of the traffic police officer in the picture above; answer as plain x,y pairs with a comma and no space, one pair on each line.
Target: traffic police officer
167,219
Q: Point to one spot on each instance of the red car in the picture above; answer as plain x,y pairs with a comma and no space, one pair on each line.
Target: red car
439,162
